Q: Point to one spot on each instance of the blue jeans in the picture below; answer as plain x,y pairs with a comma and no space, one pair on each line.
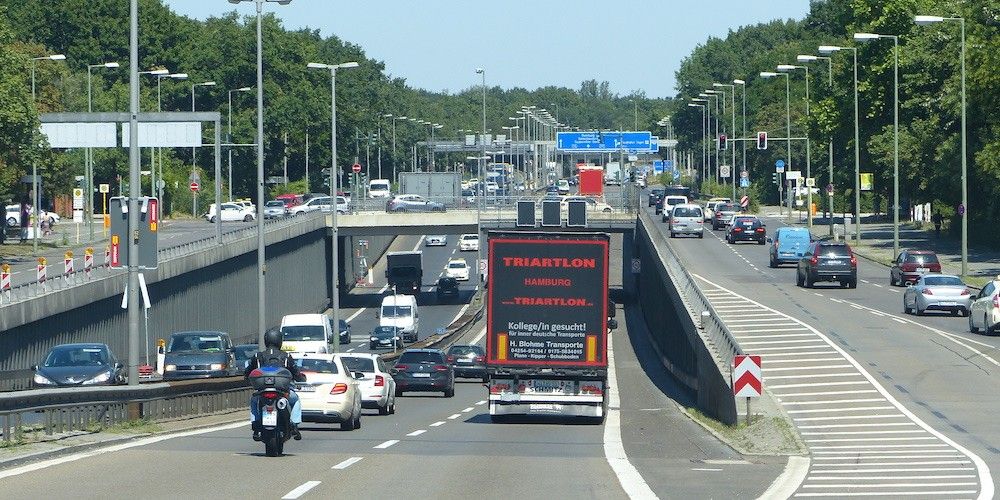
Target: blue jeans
295,417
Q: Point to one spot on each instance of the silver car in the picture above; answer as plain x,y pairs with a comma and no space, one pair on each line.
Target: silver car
686,218
436,240
274,209
937,292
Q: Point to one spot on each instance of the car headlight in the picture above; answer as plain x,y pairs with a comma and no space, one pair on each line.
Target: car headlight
102,377
217,366
42,380
373,339
170,368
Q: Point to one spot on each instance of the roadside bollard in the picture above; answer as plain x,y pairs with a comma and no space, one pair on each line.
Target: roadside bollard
703,320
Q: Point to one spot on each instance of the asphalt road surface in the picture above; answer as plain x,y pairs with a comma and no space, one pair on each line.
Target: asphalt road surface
888,403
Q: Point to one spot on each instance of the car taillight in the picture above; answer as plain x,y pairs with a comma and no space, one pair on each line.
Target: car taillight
854,260
451,359
927,291
402,368
591,389
479,359
966,292
379,381
996,301
338,389
737,229
760,230
814,260
718,215
441,368
499,388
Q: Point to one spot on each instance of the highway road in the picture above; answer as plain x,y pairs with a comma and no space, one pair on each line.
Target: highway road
436,446
888,403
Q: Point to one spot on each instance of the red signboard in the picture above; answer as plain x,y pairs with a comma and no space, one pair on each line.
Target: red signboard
356,168
747,377
195,186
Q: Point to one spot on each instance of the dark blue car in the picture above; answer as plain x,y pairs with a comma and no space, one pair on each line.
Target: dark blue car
79,365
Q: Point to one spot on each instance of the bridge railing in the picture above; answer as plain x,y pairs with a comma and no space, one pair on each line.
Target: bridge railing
55,281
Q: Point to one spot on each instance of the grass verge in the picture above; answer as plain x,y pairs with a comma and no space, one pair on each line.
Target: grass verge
764,435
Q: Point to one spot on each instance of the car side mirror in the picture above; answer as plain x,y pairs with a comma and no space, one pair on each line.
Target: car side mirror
769,240
119,366
612,324
34,368
612,309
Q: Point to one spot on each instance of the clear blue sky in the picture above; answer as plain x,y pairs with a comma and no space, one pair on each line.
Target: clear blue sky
437,44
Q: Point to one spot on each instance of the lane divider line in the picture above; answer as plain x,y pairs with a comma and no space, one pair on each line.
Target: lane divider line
346,463
438,423
416,432
300,490
454,416
385,444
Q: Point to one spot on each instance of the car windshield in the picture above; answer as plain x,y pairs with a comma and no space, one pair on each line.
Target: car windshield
922,258
943,281
794,235
466,350
275,204
297,333
195,342
725,207
379,186
687,212
456,265
470,237
420,357
77,356
835,250
396,311
356,364
317,365
675,201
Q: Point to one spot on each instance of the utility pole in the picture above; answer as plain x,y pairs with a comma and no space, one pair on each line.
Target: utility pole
284,156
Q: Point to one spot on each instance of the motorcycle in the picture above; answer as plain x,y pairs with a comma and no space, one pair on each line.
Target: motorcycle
271,387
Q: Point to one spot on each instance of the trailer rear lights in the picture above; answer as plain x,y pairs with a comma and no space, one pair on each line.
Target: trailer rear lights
499,388
592,389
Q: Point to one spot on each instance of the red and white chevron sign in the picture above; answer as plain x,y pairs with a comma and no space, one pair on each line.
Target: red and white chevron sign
747,378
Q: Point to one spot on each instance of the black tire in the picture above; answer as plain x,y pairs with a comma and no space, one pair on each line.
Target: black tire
966,313
247,218
399,393
449,393
760,242
673,235
701,235
809,281
972,328
892,280
211,219
271,446
12,222
920,312
771,263
798,279
384,410
357,418
852,284
347,426
392,408
906,308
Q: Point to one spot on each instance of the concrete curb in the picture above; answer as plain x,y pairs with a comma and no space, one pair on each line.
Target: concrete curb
38,456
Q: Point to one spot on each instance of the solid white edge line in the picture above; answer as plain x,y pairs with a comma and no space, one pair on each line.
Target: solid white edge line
479,336
346,463
300,490
614,450
113,448
987,488
785,485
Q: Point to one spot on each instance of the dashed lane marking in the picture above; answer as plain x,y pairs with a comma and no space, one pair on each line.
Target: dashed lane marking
386,444
480,402
454,416
346,463
438,423
467,410
300,490
416,432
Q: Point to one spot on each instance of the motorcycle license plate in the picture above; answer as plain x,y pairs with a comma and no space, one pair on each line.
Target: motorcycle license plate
269,416
422,375
306,388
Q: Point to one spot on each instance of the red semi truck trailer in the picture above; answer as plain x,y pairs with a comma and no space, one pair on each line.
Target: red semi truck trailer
547,324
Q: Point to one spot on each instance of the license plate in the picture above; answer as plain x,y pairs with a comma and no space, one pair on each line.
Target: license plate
922,270
546,385
834,262
421,375
542,407
269,416
948,303
306,388
465,361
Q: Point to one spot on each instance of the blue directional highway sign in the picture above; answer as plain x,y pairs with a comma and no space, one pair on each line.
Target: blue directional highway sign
597,141
657,166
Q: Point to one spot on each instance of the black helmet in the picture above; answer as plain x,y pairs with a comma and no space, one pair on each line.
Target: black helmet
272,338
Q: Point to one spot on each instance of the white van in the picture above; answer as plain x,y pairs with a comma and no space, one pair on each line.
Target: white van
401,311
307,333
378,188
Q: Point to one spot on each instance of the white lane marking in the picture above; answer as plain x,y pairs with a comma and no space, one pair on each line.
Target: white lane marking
454,416
467,410
873,440
883,493
705,469
860,433
817,294
876,284
865,281
778,342
346,463
876,424
878,478
846,417
795,348
812,353
460,313
479,336
614,451
837,300
856,448
834,401
386,444
987,488
889,485
351,349
806,360
417,432
118,447
798,368
814,375
876,313
897,320
789,480
893,291
829,393
438,423
773,336
480,402
884,457
355,315
300,490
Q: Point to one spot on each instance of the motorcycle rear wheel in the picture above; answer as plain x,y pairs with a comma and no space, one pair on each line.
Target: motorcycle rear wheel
272,444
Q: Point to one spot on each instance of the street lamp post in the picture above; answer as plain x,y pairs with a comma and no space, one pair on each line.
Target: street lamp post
88,167
261,262
35,196
702,106
230,134
334,176
788,122
732,92
479,224
829,49
864,37
922,20
786,68
743,121
715,102
160,75
829,72
194,163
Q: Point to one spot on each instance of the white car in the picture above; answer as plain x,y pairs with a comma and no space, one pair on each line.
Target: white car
492,187
378,388
593,205
331,393
458,269
313,205
13,216
343,205
563,186
984,314
247,204
230,212
436,240
468,243
379,188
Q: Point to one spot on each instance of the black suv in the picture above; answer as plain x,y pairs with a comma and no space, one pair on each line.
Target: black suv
747,228
828,261
468,361
447,288
424,370
654,196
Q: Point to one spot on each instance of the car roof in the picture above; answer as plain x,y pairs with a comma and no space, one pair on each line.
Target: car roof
687,205
326,356
458,259
303,319
920,252
792,230
357,355
83,345
199,332
437,351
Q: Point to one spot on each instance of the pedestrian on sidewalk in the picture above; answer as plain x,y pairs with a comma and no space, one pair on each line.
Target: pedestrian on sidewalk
25,219
937,224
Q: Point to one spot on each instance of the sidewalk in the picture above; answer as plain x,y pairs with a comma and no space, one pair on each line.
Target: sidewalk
876,243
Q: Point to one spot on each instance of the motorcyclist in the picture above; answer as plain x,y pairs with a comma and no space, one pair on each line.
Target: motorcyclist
272,355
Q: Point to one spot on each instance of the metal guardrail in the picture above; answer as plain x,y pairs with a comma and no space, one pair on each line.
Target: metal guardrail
61,281
53,411
696,302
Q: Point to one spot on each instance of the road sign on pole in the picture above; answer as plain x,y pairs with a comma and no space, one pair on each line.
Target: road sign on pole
779,166
724,171
4,277
356,168
745,201
747,377
195,186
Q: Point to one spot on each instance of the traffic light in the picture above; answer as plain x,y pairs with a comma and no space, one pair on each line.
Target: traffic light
722,142
761,140
774,178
